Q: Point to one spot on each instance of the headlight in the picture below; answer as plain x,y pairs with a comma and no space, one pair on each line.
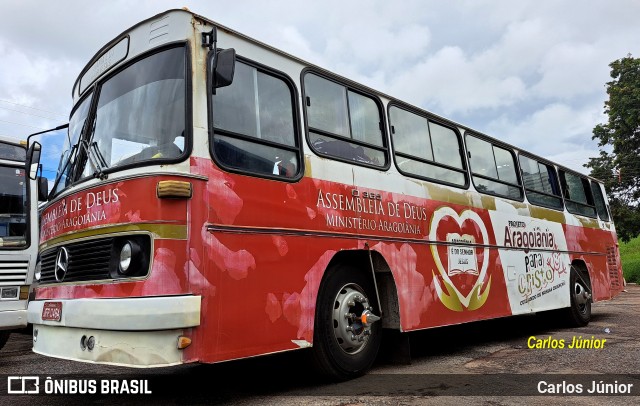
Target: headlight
38,274
130,256
125,257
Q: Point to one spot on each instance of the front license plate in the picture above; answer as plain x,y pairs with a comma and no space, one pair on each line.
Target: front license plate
52,311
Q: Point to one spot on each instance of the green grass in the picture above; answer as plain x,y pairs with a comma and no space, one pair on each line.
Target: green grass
630,257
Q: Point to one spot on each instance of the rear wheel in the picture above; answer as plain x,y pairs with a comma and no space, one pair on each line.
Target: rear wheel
579,313
347,330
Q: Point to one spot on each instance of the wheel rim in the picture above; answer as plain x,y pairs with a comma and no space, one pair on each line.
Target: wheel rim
580,297
350,332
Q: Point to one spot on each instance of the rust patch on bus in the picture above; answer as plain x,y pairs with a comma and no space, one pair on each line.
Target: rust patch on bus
590,223
488,202
307,166
547,214
445,195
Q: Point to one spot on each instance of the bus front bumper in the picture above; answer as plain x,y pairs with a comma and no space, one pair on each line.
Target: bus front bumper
135,332
13,319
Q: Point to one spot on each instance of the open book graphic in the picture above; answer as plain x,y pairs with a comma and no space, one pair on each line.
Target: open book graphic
462,258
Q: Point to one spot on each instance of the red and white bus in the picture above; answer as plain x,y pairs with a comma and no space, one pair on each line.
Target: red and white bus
220,199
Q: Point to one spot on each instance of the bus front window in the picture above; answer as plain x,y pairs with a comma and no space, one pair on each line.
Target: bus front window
67,159
140,114
13,207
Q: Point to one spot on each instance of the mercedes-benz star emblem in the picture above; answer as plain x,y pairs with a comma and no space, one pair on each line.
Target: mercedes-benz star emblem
62,263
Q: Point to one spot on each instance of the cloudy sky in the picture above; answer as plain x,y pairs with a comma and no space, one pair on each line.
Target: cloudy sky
531,73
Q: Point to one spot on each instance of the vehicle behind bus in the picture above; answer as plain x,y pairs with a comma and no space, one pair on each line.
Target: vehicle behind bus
18,235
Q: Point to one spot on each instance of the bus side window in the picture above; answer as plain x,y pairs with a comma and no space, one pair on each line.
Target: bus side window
598,199
540,183
577,194
254,124
493,169
425,149
343,123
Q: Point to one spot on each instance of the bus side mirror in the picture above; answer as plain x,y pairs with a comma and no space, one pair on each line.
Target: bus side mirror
33,159
225,65
43,189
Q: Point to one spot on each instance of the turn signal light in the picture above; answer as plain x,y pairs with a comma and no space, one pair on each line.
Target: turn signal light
173,189
183,342
24,293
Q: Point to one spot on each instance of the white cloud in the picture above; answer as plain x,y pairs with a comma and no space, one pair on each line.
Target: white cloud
568,70
450,82
297,44
519,71
21,70
555,131
574,158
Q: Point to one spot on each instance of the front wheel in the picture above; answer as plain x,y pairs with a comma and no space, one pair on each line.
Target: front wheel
579,313
347,330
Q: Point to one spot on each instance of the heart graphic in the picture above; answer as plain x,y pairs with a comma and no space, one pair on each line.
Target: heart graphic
462,284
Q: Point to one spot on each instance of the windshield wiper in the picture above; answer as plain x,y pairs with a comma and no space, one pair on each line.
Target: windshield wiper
95,159
98,161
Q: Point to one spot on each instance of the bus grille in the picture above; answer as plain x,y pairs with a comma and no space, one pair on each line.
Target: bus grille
13,272
612,264
88,260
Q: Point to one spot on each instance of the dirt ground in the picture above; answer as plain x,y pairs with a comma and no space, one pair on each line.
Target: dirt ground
479,363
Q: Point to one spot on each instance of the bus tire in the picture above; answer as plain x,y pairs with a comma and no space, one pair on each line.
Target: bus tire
578,314
4,337
345,347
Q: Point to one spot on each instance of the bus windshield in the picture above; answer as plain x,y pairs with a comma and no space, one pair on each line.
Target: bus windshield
13,207
140,114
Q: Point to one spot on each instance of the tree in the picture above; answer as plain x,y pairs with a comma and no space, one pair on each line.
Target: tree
620,168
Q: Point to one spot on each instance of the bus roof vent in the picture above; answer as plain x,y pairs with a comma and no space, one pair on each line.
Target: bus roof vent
159,30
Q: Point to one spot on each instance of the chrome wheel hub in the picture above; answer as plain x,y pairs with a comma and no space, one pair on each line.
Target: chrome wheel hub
581,297
352,319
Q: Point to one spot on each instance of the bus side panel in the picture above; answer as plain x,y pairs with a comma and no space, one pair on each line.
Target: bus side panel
265,296
597,248
430,297
268,244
